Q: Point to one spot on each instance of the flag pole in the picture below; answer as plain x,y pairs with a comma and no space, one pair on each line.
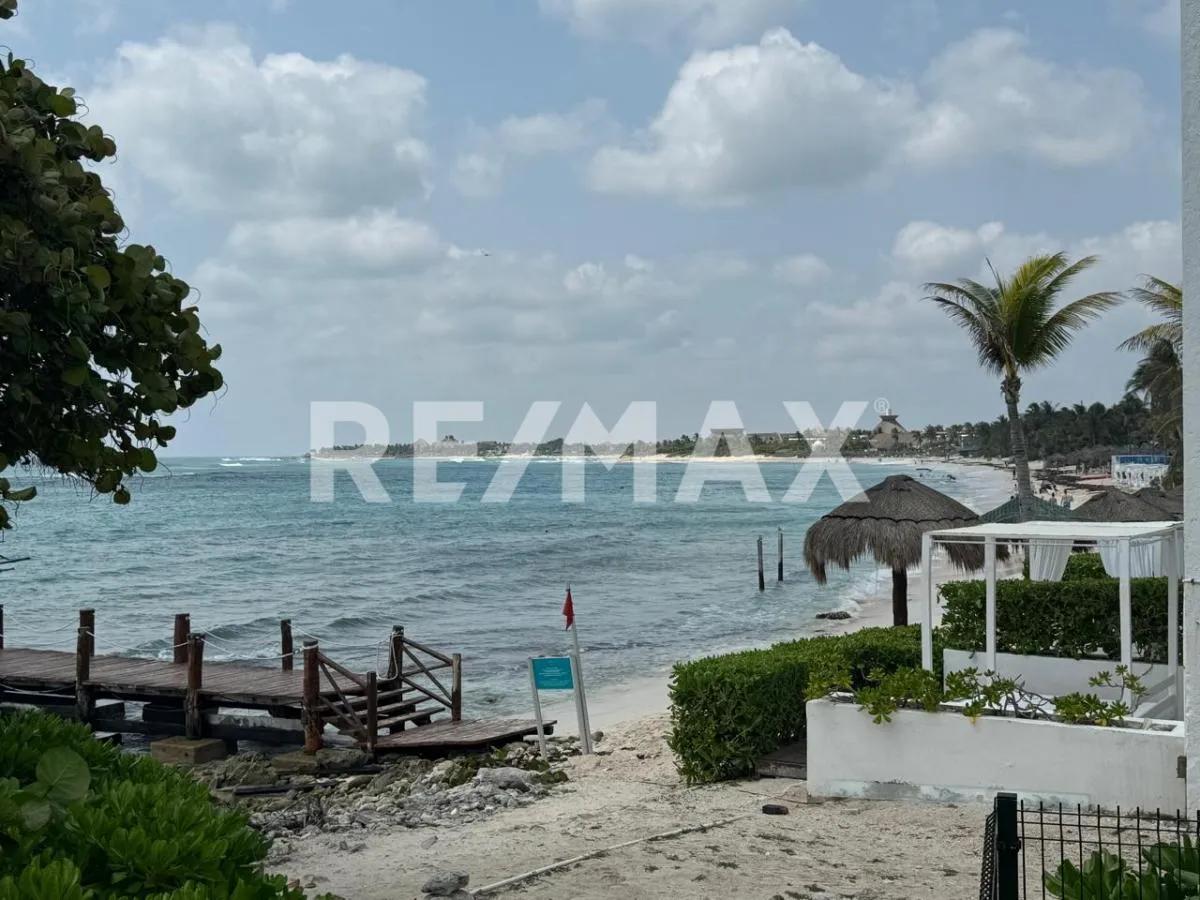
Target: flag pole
585,739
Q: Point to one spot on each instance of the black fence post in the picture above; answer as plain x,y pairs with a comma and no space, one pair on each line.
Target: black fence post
1007,847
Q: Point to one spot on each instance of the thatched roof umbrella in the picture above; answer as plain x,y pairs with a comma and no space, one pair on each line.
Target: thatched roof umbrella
1169,500
1113,505
887,521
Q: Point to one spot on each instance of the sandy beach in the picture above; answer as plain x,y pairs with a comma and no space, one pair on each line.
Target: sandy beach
635,831
626,825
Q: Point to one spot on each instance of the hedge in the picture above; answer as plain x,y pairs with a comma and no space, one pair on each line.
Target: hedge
728,711
141,829
1076,618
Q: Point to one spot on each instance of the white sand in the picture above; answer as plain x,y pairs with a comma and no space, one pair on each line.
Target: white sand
884,851
631,792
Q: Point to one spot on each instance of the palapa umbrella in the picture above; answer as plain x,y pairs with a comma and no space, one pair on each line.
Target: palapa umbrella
887,521
1169,500
1113,505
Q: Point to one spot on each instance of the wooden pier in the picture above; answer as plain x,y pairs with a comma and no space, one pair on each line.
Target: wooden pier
413,706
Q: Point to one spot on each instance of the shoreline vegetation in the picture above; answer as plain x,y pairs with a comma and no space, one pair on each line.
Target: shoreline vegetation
1078,435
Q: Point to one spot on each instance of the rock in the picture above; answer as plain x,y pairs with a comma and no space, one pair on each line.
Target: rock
445,884
339,759
597,736
243,769
836,614
506,777
358,781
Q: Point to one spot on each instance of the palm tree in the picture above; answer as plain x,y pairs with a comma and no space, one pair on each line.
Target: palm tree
1016,327
1159,374
1166,299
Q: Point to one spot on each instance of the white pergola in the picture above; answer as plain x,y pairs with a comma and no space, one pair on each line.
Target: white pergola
1123,537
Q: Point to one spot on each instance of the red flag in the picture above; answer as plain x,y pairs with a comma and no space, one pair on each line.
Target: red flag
569,610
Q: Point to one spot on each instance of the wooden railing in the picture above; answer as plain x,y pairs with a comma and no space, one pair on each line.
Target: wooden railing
420,677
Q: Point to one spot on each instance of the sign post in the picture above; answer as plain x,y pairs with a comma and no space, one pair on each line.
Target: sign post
557,673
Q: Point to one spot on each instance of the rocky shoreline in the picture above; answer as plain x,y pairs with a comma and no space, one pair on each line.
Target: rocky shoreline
291,798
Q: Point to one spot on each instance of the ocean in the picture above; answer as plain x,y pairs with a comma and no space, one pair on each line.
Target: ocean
238,544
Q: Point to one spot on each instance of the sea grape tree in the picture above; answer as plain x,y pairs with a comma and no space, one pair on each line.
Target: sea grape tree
97,341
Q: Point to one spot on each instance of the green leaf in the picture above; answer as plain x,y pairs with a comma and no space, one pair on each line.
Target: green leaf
21,496
121,496
65,773
98,275
62,105
35,814
147,462
75,376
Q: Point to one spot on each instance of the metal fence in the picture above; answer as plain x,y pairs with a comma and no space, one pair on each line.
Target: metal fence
1060,852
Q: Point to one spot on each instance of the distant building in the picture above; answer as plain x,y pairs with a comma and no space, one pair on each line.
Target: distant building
889,434
1138,470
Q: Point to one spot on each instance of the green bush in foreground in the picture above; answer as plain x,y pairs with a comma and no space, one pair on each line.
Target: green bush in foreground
136,829
1068,618
728,711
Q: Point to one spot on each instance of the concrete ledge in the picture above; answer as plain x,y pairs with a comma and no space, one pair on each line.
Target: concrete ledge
181,751
947,757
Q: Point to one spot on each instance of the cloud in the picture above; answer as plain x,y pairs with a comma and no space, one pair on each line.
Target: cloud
480,171
895,322
988,95
703,22
781,114
1162,19
200,116
802,270
379,241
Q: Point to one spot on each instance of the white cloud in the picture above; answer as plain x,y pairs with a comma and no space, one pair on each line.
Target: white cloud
480,171
895,322
1162,20
802,270
780,114
757,118
929,246
198,115
988,95
653,21
378,241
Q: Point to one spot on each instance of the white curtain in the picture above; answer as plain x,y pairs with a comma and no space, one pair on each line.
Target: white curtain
1048,560
1145,559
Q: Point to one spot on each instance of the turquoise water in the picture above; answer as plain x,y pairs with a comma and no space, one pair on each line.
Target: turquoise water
238,544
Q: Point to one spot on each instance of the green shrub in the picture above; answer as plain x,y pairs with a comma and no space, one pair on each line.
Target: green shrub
141,829
1068,618
1084,567
728,711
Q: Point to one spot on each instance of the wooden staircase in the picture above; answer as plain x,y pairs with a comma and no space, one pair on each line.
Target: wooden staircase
363,705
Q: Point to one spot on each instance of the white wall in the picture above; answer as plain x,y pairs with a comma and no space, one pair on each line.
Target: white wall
1191,78
946,757
1051,675
1190,58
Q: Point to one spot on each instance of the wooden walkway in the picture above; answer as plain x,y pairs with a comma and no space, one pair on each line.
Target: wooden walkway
413,706
464,735
232,684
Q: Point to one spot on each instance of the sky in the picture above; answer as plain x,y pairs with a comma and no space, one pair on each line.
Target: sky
606,201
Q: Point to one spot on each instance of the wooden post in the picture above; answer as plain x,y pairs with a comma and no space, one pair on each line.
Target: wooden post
285,643
456,687
762,582
781,554
83,672
193,713
87,619
372,711
396,663
179,637
989,626
312,698
1,626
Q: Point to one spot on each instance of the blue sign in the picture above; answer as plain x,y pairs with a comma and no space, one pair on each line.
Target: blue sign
553,673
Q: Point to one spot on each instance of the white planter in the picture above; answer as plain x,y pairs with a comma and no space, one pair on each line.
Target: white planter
947,757
1051,675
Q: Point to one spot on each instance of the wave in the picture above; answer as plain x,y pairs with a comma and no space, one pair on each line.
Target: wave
231,465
